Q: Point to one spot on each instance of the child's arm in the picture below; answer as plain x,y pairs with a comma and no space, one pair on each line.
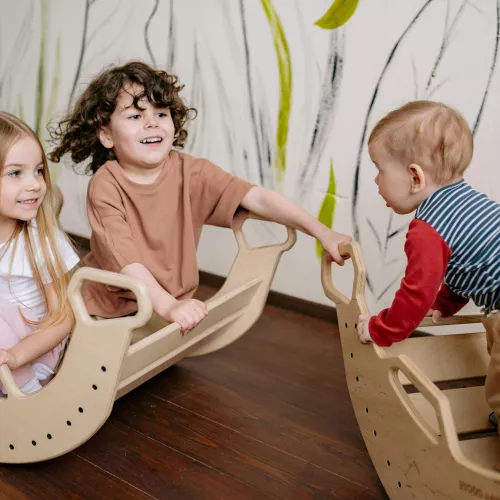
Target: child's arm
428,257
448,303
187,313
276,208
40,341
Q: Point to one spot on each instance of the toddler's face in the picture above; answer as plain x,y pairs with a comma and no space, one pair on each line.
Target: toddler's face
394,180
139,137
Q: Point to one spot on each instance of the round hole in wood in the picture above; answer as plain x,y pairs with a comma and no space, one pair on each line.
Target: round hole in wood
374,433
399,484
80,410
346,325
357,379
352,355
103,368
355,325
49,436
33,443
366,409
68,423
389,463
11,446
94,387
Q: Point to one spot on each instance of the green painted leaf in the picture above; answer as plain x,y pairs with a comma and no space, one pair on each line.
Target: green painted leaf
21,107
40,87
327,210
285,73
338,14
55,81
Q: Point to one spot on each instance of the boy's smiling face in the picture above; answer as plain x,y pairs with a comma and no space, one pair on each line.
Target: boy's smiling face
140,138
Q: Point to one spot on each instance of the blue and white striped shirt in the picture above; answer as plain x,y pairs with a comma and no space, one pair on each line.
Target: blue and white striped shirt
469,223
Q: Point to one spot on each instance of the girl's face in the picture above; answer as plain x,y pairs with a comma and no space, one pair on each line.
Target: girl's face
22,185
139,138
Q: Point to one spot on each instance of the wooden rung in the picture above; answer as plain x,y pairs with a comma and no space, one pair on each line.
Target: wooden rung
484,451
459,319
447,357
468,406
170,340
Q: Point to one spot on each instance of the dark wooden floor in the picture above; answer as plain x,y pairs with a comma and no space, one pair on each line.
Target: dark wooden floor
267,417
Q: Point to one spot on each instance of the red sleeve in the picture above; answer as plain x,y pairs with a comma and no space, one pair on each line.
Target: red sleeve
448,302
428,257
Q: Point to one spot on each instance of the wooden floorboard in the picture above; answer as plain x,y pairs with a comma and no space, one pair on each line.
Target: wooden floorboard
267,417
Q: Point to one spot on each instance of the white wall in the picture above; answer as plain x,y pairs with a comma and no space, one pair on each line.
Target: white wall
441,49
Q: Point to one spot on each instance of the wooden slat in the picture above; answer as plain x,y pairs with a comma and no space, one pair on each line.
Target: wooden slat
459,319
484,451
447,357
169,341
468,405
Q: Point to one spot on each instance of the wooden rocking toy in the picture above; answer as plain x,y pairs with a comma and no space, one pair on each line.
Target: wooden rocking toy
106,359
426,443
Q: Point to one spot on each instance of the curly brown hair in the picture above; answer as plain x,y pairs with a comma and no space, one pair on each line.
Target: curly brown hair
77,132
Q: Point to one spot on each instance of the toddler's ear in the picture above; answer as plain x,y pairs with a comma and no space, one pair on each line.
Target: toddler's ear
417,178
104,138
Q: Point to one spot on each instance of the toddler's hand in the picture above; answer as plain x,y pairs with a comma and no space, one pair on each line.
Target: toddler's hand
187,313
435,314
7,358
330,243
363,331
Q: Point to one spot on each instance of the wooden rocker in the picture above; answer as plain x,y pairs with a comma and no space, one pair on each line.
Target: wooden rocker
426,443
106,359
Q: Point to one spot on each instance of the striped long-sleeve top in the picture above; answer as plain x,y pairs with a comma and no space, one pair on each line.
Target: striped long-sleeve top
453,251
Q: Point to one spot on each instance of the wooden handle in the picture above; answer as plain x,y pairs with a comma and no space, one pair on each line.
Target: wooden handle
354,251
431,393
8,383
144,304
282,247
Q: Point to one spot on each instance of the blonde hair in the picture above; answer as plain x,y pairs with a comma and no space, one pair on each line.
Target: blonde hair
430,134
45,260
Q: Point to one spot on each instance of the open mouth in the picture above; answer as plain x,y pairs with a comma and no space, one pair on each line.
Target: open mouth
32,201
152,140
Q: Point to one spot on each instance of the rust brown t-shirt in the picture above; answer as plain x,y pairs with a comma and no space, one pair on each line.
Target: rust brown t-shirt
158,225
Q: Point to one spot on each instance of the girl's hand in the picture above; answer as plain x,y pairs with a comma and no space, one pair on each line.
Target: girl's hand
7,358
186,313
363,331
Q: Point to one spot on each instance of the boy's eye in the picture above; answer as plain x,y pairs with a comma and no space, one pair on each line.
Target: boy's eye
134,117
39,171
14,173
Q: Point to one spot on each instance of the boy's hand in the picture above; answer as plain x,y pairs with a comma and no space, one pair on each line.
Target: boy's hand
363,331
435,314
7,358
330,243
186,313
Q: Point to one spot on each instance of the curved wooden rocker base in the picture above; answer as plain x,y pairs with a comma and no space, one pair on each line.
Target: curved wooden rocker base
425,443
105,359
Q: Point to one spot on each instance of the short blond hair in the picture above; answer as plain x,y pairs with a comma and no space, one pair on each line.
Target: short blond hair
430,134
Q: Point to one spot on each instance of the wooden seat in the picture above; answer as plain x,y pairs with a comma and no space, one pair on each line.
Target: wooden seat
101,362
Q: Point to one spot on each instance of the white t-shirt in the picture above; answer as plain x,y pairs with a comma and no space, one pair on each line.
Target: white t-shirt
17,284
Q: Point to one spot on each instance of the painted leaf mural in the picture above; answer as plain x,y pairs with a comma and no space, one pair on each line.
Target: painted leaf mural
426,62
327,210
338,14
285,74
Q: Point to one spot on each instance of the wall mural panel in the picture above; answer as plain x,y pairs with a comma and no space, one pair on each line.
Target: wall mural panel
287,92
